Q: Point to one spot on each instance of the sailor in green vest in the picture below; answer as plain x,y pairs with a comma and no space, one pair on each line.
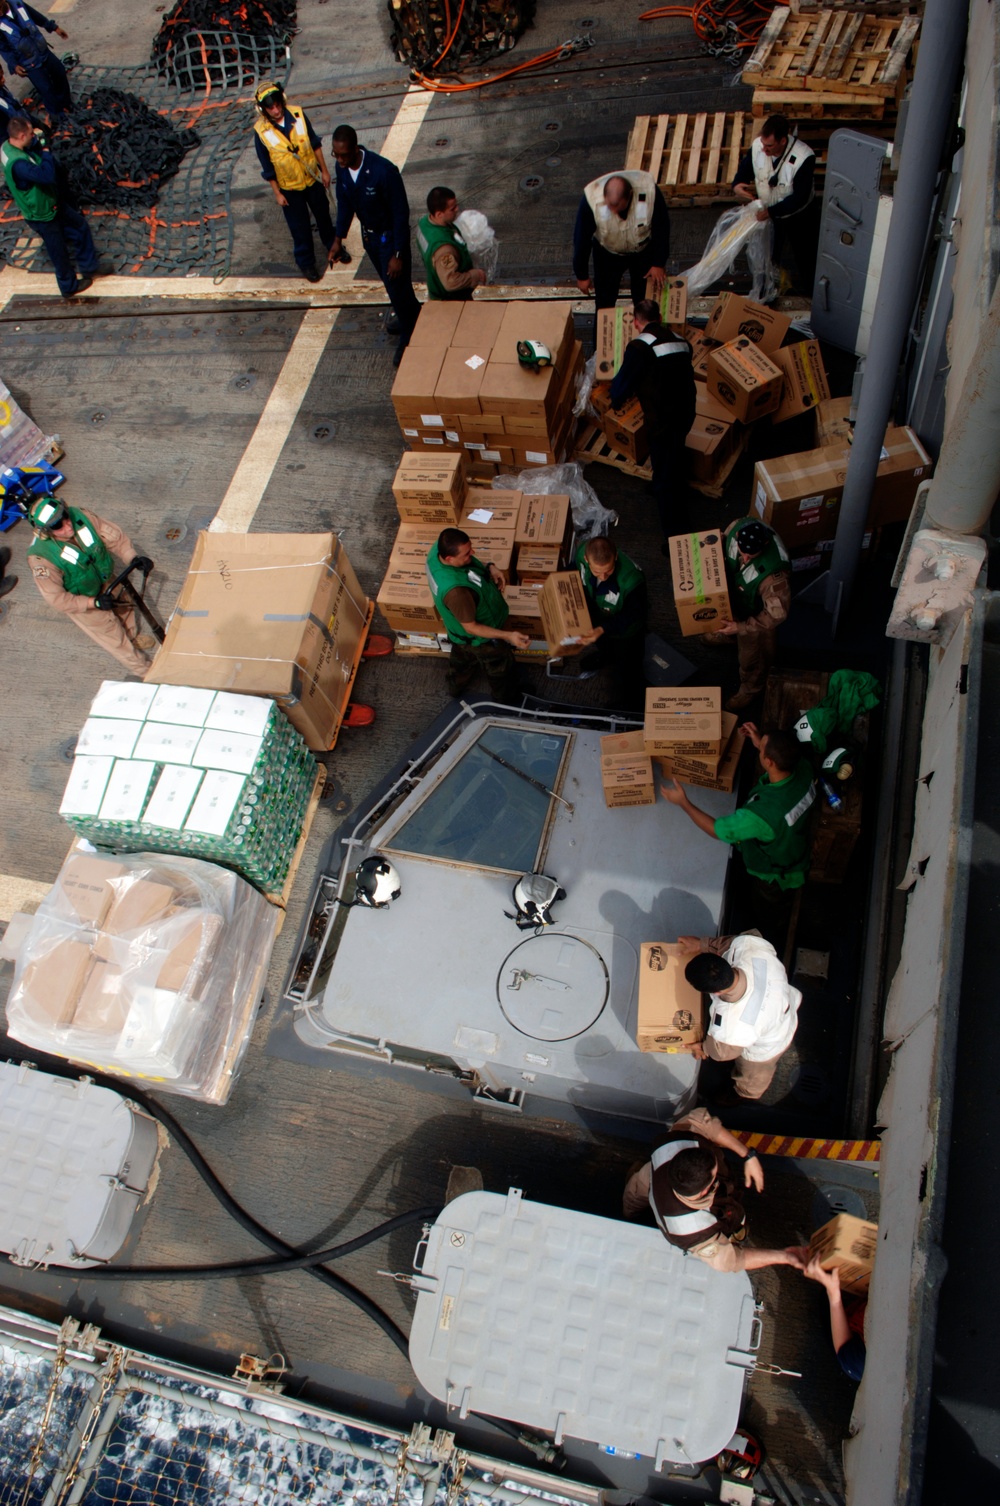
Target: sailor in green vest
760,594
72,560
772,830
447,262
615,589
469,596
31,174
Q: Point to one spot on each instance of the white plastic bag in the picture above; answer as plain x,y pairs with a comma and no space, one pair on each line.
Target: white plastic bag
737,230
582,406
480,237
590,516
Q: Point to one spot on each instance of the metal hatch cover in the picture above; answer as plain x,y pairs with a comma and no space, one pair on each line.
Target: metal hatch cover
553,986
583,1327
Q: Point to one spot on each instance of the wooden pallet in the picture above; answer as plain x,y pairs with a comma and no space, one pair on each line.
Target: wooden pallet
593,448
349,683
835,109
837,51
693,158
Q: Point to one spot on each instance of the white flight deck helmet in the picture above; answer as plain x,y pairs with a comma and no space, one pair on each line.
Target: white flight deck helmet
377,883
534,895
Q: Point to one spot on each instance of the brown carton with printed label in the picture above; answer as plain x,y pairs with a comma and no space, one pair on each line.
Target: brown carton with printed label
698,570
671,1010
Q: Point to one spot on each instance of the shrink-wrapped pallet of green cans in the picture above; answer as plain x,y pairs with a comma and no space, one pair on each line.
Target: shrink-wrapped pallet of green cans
202,773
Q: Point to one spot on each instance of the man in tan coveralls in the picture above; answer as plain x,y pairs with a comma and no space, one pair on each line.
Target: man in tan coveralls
758,573
71,560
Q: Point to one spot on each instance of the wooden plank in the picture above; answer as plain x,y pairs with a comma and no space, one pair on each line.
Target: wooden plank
636,149
280,898
899,51
846,43
592,448
656,149
770,34
821,45
719,124
694,151
839,106
674,165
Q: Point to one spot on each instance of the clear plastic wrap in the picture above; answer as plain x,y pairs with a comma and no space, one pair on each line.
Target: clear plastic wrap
737,230
590,516
582,406
146,967
480,237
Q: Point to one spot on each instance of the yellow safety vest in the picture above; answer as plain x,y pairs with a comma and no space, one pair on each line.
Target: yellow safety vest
294,160
623,236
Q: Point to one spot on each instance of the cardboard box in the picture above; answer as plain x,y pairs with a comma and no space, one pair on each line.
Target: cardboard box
847,1244
270,614
52,984
494,546
682,722
84,881
503,507
614,329
733,317
103,1004
672,1015
518,393
478,325
423,479
564,612
698,570
540,452
529,319
457,388
701,348
536,562
833,424
904,465
804,379
672,300
525,612
799,495
707,405
417,533
416,379
138,905
625,431
710,770
741,376
437,322
711,441
406,601
483,452
197,941
626,771
544,519
600,398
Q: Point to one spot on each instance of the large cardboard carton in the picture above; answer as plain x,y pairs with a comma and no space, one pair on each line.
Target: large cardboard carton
733,317
625,431
478,325
804,379
711,441
701,348
614,330
672,1014
518,393
503,509
270,614
683,722
430,488
416,379
459,380
406,603
904,465
743,379
847,1244
544,520
483,452
711,771
565,615
540,451
52,983
551,323
525,611
536,562
698,570
626,771
672,300
437,322
85,883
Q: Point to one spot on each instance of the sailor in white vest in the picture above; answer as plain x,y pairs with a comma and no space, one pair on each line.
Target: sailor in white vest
778,172
623,221
753,1009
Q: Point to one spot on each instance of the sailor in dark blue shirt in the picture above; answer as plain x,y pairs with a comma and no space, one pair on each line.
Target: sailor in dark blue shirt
371,188
10,106
26,53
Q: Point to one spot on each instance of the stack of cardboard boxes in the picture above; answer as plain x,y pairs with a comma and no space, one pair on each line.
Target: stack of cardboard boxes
691,737
460,385
527,536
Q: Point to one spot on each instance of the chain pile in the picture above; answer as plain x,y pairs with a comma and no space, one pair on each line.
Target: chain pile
446,36
726,28
116,151
230,27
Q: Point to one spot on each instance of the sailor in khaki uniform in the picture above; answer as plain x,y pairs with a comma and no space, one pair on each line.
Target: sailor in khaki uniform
623,221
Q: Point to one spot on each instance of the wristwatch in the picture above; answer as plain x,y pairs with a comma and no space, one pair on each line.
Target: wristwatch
751,1155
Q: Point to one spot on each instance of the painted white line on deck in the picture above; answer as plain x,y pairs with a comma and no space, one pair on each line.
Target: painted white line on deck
275,423
402,134
60,7
19,894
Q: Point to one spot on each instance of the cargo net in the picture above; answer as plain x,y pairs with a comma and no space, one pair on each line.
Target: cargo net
219,38
175,226
438,37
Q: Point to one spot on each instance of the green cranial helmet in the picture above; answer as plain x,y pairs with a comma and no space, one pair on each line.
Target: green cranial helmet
533,354
47,513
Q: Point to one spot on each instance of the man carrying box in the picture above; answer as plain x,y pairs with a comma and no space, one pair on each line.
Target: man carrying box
753,1011
771,831
615,589
469,597
695,1201
759,574
656,368
447,259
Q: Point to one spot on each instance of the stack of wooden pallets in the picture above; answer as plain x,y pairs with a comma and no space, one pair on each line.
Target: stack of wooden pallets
694,158
831,65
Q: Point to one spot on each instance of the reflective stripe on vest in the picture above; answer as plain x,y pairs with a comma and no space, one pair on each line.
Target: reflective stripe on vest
665,347
679,1224
292,157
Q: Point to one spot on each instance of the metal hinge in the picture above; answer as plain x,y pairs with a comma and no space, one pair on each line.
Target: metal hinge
255,1374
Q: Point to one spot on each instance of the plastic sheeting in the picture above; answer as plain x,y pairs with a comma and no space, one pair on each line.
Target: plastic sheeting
146,967
590,516
480,237
737,230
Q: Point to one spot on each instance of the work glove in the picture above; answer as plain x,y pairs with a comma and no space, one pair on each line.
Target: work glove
105,602
144,563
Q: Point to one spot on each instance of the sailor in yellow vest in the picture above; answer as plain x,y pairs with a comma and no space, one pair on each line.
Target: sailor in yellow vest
291,160
778,171
623,219
71,559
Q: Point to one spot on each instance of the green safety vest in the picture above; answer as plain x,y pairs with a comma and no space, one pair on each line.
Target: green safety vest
36,202
84,561
430,238
746,581
627,577
785,807
491,609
